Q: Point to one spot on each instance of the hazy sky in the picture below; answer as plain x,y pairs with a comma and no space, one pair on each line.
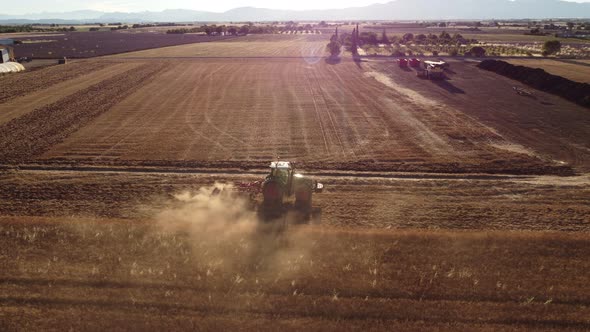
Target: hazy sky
36,6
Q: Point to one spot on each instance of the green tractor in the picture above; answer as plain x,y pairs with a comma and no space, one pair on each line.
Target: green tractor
283,183
277,189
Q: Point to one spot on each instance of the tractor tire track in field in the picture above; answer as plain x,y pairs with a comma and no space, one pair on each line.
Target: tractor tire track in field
24,83
32,134
158,112
222,92
191,108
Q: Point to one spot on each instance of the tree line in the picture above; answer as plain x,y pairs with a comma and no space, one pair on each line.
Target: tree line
245,29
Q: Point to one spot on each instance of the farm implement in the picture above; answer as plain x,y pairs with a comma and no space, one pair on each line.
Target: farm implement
522,91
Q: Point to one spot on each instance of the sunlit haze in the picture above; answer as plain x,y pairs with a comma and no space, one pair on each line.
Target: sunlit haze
36,6
153,5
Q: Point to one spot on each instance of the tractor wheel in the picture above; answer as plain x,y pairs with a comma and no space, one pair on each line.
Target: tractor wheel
303,199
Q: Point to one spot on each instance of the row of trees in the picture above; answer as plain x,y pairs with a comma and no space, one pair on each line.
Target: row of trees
16,28
244,29
371,38
30,28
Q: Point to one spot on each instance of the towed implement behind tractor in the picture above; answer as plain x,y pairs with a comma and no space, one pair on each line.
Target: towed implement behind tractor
277,189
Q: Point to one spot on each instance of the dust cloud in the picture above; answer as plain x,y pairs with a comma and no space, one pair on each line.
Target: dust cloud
227,235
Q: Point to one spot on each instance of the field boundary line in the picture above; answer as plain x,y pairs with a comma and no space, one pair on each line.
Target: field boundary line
252,172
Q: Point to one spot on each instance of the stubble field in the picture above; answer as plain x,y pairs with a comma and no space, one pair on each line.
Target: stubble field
451,205
257,46
575,70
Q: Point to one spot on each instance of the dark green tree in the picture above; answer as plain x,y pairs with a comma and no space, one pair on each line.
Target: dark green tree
551,47
408,37
384,38
444,35
478,51
354,43
334,48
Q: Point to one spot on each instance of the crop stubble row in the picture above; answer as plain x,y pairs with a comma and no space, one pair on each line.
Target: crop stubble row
30,135
13,86
365,278
42,95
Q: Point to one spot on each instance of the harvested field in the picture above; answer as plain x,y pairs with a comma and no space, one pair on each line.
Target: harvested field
33,133
249,111
93,44
251,46
24,83
539,79
42,93
546,125
348,272
572,70
134,274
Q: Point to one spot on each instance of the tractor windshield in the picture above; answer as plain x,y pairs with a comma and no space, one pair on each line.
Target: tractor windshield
281,174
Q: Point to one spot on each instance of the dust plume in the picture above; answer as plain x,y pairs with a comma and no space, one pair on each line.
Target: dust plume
226,234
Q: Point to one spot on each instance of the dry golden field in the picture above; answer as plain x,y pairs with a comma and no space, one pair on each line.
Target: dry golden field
307,46
575,70
450,205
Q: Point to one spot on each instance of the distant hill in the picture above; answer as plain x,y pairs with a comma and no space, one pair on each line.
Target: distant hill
394,10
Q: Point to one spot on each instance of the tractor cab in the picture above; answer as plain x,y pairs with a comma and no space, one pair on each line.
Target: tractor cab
283,183
282,172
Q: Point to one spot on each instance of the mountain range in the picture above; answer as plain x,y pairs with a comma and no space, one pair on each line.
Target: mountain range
394,10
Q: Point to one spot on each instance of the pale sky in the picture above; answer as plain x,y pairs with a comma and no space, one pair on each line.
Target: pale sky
36,6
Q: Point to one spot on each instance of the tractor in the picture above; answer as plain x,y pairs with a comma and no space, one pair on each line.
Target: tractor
278,187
